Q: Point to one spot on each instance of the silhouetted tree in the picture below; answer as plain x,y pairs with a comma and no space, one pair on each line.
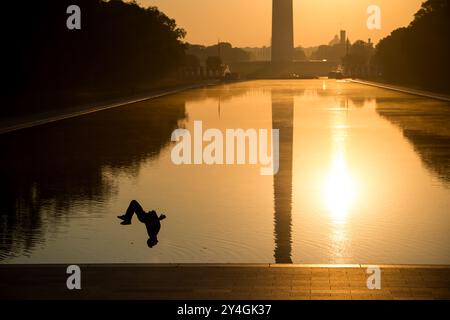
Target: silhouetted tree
192,61
120,45
419,54
228,54
191,65
331,53
213,64
357,62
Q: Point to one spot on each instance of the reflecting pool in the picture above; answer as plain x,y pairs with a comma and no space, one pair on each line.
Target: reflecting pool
364,178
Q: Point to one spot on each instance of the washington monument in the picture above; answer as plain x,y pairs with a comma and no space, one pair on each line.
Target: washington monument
282,31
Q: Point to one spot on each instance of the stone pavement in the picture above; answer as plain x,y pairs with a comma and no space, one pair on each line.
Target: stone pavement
224,281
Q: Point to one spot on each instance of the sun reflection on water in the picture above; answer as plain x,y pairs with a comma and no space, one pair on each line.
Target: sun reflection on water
339,188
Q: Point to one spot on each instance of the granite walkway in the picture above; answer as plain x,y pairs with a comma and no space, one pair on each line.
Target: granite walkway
236,282
417,92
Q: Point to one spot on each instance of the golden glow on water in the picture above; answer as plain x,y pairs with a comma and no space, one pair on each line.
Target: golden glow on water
363,178
339,188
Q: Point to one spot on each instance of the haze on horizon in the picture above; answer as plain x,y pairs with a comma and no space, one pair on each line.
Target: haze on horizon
247,23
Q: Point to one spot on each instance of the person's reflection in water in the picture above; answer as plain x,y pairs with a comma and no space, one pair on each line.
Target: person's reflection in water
150,219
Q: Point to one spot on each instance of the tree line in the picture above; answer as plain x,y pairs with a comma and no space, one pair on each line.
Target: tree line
417,55
119,46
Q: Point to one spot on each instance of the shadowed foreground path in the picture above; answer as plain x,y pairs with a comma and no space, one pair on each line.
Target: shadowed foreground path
240,282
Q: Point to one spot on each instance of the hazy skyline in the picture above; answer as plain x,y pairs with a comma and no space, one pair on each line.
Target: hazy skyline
248,22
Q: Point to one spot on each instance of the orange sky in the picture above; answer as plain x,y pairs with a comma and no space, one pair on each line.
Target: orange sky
248,22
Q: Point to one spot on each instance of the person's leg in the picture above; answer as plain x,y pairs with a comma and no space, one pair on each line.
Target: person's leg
133,208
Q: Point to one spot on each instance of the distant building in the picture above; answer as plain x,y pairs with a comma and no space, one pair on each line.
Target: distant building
336,40
343,45
259,54
343,39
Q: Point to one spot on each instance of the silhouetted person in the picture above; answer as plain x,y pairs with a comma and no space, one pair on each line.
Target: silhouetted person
150,219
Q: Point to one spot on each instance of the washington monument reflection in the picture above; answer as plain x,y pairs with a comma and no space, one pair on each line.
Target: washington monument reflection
283,119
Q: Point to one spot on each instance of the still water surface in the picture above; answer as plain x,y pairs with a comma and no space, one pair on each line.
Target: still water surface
364,178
